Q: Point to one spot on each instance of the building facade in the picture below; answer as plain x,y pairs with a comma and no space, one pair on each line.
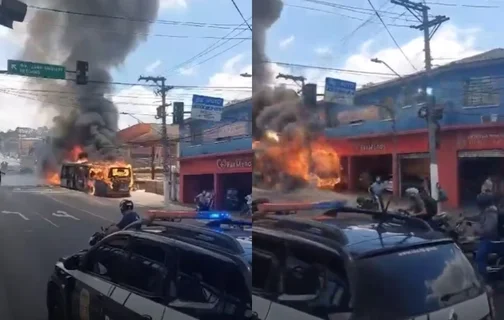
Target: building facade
383,133
217,155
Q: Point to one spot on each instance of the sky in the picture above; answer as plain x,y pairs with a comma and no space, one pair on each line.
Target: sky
331,34
159,55
348,34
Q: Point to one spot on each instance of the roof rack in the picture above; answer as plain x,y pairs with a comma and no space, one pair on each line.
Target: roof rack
189,232
334,207
174,216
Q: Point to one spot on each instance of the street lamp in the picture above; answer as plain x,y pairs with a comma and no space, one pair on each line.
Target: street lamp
245,75
376,60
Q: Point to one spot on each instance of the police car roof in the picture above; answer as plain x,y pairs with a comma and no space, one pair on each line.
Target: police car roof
213,228
359,237
364,237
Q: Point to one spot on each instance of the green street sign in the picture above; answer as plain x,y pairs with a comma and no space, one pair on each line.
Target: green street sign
37,70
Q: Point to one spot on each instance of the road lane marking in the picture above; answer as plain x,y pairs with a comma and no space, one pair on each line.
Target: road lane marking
48,221
73,207
63,214
14,212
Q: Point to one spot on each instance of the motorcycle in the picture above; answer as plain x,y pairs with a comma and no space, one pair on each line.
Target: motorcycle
97,236
367,203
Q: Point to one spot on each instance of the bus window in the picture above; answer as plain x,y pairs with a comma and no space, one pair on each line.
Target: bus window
119,172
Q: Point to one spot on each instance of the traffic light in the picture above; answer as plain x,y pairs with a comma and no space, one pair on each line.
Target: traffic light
10,11
310,95
178,113
81,71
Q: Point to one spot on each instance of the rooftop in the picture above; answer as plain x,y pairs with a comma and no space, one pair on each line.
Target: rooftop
492,56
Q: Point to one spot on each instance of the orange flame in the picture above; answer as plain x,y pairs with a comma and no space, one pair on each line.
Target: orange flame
52,178
315,162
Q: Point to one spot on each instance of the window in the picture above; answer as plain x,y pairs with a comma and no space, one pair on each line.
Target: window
447,279
267,252
200,278
314,281
481,92
145,270
108,259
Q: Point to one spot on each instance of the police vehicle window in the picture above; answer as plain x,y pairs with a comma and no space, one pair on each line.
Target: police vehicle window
314,281
200,278
447,278
267,252
107,260
235,285
145,270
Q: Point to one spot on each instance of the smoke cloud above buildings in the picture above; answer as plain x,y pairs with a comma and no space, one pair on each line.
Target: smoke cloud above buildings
85,116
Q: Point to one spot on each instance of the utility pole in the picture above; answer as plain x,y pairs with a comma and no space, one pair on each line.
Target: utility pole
161,113
421,12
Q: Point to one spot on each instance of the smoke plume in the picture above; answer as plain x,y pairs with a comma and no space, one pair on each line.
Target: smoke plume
85,116
264,14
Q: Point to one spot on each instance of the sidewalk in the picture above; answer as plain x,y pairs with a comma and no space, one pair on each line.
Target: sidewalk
153,200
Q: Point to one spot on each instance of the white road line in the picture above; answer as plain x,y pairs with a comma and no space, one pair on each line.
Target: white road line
73,207
48,221
64,214
17,213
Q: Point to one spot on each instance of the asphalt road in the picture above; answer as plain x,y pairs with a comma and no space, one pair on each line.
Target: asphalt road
37,226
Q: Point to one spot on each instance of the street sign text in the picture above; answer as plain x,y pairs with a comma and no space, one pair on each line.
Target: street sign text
33,69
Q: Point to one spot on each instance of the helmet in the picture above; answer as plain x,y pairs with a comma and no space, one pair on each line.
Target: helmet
484,200
412,192
126,205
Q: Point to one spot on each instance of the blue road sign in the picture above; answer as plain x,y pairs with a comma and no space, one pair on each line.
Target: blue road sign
207,108
339,91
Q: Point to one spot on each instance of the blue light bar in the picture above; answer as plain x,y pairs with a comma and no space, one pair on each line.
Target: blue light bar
329,205
213,215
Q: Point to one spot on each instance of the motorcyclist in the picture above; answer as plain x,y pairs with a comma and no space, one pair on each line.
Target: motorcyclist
376,191
416,203
128,216
488,232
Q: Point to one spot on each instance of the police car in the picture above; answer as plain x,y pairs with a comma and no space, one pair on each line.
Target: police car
172,266
344,265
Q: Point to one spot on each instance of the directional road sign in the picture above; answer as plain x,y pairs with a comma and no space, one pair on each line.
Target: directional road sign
37,70
207,108
339,91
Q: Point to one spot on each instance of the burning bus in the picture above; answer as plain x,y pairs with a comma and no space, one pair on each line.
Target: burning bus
101,179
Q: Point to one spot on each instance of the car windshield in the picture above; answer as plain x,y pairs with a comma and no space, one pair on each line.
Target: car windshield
409,283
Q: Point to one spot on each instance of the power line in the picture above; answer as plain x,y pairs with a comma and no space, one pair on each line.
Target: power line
295,65
360,10
160,35
158,21
241,14
391,36
119,83
217,44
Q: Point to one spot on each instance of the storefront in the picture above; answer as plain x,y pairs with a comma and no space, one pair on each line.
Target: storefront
218,172
466,157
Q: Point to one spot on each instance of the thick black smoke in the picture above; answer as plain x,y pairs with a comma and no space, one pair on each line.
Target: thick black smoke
85,116
264,14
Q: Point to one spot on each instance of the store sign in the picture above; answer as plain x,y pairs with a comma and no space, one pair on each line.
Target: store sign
481,139
224,164
372,147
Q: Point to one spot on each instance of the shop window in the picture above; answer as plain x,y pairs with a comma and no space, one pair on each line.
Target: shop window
479,92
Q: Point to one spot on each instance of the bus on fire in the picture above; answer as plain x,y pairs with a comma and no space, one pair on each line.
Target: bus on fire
99,179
